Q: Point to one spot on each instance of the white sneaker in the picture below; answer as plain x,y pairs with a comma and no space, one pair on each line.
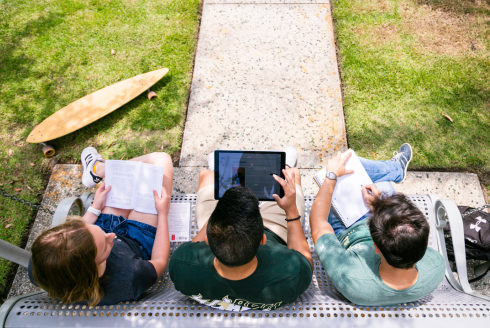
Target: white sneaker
211,161
291,156
89,157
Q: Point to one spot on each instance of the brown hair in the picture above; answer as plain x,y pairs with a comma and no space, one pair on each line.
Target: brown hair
399,229
63,260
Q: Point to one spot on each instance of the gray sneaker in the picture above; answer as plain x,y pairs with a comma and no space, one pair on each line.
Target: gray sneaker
403,156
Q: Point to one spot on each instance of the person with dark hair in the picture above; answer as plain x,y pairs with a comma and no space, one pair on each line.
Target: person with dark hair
110,255
383,258
247,255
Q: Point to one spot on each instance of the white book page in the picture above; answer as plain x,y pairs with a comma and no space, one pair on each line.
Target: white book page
150,178
347,195
121,175
178,222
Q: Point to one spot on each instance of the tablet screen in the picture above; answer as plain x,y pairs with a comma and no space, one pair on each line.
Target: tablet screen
250,169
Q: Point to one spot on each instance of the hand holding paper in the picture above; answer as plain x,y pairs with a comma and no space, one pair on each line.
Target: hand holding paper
161,204
336,164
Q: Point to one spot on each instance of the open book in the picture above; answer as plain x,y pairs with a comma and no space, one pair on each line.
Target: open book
347,199
132,184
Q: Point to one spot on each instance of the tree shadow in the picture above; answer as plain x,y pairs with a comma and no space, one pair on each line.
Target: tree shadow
459,7
17,67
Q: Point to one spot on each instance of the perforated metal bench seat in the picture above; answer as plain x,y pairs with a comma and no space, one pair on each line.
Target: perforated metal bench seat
320,305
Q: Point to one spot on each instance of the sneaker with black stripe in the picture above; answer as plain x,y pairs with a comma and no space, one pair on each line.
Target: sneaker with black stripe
89,157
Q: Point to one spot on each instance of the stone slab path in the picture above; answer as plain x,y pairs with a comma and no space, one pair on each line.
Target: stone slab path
265,78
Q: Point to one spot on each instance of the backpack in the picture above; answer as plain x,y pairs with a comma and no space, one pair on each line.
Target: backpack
476,234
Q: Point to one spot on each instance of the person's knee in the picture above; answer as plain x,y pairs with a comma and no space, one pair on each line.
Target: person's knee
161,158
206,177
205,174
297,174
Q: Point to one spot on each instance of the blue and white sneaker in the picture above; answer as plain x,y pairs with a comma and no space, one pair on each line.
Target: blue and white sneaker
403,156
89,157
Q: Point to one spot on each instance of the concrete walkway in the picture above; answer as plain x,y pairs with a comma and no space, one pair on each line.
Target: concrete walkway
265,78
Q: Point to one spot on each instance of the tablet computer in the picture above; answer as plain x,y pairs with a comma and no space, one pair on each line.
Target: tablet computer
250,169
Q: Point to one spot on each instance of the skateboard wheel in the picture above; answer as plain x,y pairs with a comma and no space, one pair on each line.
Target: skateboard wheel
48,151
151,95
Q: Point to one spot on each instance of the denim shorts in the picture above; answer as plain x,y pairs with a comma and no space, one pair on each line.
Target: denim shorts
142,233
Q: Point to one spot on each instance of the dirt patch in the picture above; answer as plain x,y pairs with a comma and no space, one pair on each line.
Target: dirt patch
373,6
439,31
449,27
378,35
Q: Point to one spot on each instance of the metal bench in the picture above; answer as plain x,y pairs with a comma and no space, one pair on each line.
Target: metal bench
452,304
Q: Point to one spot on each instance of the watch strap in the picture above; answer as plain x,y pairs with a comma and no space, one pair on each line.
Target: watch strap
94,211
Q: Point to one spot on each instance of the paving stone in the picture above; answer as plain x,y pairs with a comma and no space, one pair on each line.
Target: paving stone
265,78
461,188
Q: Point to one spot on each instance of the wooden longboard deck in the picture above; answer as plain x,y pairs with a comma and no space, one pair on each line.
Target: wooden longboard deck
90,108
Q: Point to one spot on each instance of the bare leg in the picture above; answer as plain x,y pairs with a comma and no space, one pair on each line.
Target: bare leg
160,159
206,178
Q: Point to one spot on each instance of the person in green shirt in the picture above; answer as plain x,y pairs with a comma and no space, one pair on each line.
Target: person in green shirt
246,256
382,259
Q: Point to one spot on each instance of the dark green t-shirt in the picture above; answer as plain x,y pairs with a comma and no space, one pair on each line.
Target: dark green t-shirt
282,274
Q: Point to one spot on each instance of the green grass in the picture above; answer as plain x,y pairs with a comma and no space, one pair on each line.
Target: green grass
53,52
400,76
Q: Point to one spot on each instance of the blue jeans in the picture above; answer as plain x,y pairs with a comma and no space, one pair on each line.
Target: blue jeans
381,172
143,234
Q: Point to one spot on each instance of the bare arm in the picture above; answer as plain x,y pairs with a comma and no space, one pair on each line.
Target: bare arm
321,206
320,209
98,203
161,247
201,234
296,235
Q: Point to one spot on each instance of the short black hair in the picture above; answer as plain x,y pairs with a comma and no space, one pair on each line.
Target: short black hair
399,229
235,227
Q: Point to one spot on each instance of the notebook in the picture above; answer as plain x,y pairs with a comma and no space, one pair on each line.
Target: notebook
347,199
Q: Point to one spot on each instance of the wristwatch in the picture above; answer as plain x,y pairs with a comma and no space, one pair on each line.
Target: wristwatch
331,176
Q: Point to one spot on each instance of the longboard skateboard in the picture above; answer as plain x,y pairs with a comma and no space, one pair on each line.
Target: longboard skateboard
90,108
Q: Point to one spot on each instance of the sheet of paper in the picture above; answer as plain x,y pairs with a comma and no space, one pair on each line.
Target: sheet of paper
347,195
179,217
121,175
150,178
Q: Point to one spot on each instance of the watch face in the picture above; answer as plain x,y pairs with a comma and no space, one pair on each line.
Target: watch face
332,176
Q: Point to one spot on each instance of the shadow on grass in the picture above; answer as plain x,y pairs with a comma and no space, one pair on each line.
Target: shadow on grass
459,7
17,67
